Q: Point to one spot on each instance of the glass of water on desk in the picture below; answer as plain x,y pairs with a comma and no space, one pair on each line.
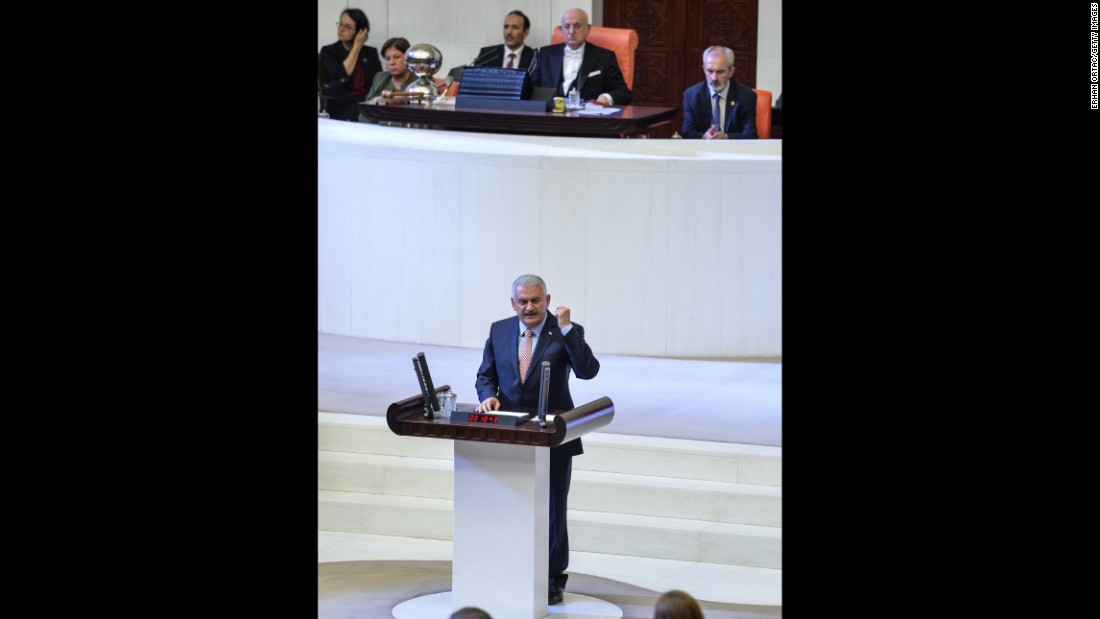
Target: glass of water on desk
447,404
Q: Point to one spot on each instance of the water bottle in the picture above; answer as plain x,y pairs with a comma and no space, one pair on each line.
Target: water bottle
574,99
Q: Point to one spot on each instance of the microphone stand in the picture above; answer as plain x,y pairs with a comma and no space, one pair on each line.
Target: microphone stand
534,62
442,96
321,99
321,96
491,55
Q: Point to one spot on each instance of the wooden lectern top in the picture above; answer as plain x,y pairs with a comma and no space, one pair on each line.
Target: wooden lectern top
406,418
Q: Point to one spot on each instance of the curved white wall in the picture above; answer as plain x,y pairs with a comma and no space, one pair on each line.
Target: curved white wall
668,248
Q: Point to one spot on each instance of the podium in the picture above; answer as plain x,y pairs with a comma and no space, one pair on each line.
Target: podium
501,499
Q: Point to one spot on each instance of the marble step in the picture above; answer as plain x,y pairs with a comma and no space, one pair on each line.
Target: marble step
682,459
596,532
676,538
687,499
608,453
429,478
590,491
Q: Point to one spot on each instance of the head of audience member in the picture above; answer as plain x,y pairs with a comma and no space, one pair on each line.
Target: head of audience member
676,604
530,299
393,56
516,28
718,66
351,22
470,612
574,28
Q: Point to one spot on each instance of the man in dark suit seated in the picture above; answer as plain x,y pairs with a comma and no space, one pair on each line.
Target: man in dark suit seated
592,69
734,114
512,54
509,379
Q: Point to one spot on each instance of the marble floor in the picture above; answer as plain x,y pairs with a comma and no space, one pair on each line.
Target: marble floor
729,584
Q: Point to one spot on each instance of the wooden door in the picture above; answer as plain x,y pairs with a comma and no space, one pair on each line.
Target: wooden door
672,35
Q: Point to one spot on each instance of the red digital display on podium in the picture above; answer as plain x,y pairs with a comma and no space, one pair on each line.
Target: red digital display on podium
498,418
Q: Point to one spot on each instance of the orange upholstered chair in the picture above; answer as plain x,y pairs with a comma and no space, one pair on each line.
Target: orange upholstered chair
763,113
622,41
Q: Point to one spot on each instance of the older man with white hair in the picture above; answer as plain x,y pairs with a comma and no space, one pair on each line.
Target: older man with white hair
592,69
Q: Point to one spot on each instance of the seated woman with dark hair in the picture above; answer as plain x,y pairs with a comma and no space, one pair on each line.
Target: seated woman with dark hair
396,76
676,604
349,66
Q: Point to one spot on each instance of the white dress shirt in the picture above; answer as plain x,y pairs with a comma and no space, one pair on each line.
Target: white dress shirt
571,64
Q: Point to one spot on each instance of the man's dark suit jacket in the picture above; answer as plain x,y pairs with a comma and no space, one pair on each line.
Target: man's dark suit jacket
342,106
489,58
599,73
498,375
740,111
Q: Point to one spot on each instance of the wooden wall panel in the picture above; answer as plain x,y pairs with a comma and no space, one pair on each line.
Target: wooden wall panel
672,35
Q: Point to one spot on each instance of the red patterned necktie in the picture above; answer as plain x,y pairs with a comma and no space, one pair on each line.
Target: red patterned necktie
511,57
525,355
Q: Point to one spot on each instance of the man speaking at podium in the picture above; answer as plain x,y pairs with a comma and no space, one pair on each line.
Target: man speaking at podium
508,379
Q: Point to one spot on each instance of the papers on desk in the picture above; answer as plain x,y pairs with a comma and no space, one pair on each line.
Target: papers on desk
592,109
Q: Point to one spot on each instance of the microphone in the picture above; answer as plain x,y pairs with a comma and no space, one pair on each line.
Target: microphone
445,85
423,389
489,55
342,80
544,393
535,62
432,397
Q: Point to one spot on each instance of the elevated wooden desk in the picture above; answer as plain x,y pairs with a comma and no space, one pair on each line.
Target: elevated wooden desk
631,121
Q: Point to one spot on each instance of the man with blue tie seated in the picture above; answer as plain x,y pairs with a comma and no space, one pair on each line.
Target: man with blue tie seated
509,379
719,108
594,70
512,54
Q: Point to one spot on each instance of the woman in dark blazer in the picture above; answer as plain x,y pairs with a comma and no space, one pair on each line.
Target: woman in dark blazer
349,66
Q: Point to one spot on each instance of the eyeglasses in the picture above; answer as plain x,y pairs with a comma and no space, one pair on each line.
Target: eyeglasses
345,26
574,26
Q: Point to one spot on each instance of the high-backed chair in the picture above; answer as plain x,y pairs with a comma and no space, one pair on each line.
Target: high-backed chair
763,113
622,41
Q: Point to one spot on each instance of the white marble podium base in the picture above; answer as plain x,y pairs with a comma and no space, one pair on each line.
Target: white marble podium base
572,607
501,528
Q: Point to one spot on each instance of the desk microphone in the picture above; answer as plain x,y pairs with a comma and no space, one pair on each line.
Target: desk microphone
534,62
342,80
544,393
445,85
493,54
